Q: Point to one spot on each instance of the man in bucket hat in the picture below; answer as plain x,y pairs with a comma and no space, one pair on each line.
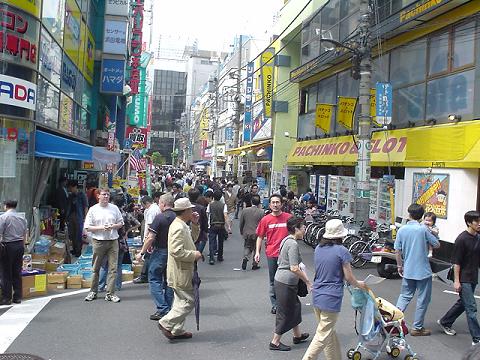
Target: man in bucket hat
182,255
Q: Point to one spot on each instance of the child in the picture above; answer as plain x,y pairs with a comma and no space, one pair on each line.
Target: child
429,220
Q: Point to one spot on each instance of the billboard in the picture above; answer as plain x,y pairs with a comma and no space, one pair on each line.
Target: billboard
89,57
17,92
115,37
116,7
50,58
71,41
137,136
247,120
267,65
113,76
431,191
29,6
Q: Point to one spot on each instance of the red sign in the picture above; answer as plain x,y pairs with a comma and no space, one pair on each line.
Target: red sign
138,136
136,45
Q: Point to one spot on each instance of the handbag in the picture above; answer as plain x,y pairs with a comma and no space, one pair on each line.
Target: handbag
451,273
302,290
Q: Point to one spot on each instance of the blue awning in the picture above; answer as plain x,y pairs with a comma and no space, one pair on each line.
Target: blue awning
54,146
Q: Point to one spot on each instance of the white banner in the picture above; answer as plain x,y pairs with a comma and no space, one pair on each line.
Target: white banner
17,92
115,37
116,7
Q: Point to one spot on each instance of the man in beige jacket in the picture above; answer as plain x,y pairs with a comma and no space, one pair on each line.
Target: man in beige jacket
182,255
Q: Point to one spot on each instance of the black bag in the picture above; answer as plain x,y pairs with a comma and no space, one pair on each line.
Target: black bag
302,290
451,273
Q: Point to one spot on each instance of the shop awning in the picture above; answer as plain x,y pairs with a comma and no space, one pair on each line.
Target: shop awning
54,146
103,156
447,145
251,146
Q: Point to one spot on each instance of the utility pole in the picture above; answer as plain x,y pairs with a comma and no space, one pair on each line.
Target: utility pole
238,101
363,170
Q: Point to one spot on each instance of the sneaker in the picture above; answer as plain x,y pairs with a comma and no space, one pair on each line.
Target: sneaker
420,332
279,347
475,342
185,335
447,330
302,338
211,262
157,316
140,280
112,297
91,296
244,264
255,267
273,310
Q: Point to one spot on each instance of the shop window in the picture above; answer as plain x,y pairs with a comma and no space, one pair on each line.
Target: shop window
408,63
306,126
303,102
48,99
438,53
312,98
380,71
409,105
53,16
451,94
464,45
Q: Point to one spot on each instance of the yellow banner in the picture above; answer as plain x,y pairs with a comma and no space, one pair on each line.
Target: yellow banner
323,116
267,61
30,6
345,111
83,45
71,40
89,57
204,125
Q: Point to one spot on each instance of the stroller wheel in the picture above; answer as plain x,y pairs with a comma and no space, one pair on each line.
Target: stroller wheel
350,353
357,355
395,352
410,357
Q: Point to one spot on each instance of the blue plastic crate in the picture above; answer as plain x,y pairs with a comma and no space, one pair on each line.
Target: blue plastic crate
127,267
86,273
84,261
72,269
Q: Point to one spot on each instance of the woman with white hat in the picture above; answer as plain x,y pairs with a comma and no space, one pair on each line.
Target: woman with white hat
332,267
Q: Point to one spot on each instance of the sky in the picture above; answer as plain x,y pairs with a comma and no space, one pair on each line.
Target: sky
214,22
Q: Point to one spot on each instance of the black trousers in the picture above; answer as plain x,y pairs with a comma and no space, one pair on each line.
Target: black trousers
11,266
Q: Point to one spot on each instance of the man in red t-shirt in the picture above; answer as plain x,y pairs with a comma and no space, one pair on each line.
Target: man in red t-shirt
273,227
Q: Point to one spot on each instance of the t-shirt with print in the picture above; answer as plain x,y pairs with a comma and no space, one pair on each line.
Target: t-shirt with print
327,290
274,228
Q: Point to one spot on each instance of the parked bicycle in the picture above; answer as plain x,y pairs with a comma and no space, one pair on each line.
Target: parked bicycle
370,241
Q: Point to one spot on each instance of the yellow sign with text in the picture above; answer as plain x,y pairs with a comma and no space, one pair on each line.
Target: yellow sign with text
33,7
345,111
204,125
267,59
323,116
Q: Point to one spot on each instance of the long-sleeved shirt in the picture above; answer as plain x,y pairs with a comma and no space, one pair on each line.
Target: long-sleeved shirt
249,219
13,227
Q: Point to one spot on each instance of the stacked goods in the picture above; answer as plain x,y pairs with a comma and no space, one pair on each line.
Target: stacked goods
74,281
34,283
57,280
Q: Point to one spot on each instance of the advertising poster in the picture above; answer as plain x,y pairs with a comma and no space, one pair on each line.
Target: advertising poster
89,57
50,58
18,92
113,76
83,44
69,77
431,191
115,37
71,42
66,114
53,16
267,63
31,7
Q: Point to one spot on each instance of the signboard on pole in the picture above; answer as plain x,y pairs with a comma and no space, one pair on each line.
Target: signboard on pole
267,63
384,103
247,121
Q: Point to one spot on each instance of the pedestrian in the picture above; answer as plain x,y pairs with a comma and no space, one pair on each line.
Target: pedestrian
151,211
193,196
77,207
157,238
219,224
289,308
103,221
247,197
272,227
466,260
13,234
177,192
60,201
230,201
332,267
411,246
182,255
249,219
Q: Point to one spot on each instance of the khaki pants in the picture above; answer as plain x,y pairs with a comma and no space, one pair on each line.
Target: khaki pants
325,338
183,304
102,249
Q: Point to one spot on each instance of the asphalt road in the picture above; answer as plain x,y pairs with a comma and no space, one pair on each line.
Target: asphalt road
235,321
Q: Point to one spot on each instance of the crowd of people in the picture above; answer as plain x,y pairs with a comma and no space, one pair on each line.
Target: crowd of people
186,212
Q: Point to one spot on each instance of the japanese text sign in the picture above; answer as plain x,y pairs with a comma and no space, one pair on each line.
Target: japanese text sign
113,76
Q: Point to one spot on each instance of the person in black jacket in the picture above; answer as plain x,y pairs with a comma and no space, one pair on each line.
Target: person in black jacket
219,226
193,195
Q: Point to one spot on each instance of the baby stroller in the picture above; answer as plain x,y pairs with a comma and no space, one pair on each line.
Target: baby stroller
382,327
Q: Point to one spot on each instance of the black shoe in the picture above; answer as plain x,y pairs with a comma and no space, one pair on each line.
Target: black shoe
244,264
157,316
211,262
273,310
220,259
140,280
302,338
17,301
5,302
255,266
279,347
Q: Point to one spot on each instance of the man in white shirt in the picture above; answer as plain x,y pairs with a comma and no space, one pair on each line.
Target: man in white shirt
103,220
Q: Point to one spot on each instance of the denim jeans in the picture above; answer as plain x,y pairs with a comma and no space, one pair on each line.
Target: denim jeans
157,277
272,269
216,237
466,303
409,287
104,271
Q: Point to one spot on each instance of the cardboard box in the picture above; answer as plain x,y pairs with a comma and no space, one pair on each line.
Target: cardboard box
87,284
54,287
52,266
33,284
57,277
127,275
39,257
74,282
58,248
39,264
137,269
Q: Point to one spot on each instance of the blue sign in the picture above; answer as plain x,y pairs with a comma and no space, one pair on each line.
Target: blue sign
128,144
113,76
228,133
384,103
247,121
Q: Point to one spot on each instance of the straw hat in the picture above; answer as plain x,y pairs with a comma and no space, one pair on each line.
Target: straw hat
182,204
334,229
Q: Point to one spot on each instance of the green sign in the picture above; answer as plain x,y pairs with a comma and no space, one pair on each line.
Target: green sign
137,109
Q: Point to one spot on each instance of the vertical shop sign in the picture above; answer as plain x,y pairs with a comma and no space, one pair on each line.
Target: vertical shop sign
115,37
116,7
204,124
113,75
267,63
83,41
247,121
19,35
346,110
71,42
69,77
384,103
136,45
323,116
89,57
431,191
66,114
136,110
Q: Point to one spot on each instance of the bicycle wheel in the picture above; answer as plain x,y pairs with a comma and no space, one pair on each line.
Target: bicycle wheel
357,249
349,240
319,236
308,233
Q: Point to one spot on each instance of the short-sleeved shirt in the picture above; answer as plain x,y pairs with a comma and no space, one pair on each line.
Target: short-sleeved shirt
274,228
327,291
412,240
160,226
13,227
467,255
102,215
289,256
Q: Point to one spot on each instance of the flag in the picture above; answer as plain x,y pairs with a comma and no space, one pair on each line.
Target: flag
135,160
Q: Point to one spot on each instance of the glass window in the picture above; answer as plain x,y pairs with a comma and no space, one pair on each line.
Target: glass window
347,86
53,15
380,69
438,51
409,104
464,45
451,94
327,90
312,98
48,99
50,58
408,63
348,27
306,125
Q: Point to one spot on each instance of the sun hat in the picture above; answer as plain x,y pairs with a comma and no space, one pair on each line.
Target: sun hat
182,204
334,229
